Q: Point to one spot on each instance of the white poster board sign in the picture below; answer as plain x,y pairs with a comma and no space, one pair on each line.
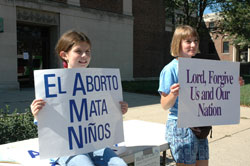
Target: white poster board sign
152,159
144,133
209,93
82,111
22,153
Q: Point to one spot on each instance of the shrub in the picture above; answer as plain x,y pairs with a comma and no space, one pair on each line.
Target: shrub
16,126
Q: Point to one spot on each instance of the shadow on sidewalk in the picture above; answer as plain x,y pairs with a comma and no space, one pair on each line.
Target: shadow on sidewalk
136,100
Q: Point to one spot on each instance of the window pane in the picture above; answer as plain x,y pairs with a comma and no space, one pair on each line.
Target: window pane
211,25
225,47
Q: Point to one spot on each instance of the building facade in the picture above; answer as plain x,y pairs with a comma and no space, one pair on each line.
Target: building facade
151,41
134,36
222,44
29,30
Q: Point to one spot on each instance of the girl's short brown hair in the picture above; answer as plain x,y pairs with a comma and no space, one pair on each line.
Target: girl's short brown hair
69,39
182,32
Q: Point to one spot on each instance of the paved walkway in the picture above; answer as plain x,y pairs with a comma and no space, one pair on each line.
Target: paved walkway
230,144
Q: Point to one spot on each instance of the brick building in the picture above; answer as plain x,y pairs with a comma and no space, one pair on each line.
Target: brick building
133,36
152,39
222,44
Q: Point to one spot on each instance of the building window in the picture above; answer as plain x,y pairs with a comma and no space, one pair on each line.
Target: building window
226,47
211,25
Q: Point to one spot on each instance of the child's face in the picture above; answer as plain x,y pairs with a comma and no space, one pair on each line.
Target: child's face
189,47
78,56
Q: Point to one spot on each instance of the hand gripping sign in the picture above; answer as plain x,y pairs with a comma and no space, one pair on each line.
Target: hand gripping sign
82,111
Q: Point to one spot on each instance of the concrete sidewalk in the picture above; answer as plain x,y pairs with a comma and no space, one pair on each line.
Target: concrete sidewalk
230,144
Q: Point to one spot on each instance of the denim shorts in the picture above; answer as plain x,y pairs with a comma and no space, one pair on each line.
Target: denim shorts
102,157
185,147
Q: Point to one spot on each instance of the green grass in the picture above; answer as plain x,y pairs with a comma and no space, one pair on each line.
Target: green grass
245,92
151,87
245,95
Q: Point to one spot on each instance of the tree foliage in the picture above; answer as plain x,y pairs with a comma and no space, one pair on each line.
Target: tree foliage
235,20
235,16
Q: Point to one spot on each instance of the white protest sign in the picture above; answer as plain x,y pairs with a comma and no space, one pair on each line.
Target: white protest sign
82,111
152,159
23,153
209,92
143,133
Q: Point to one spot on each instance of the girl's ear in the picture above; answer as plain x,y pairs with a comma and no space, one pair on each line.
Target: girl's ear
63,55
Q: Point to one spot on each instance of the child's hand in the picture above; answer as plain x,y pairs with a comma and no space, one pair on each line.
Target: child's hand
241,81
36,106
124,107
174,89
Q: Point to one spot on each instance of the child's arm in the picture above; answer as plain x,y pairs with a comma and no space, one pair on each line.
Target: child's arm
36,106
124,107
168,100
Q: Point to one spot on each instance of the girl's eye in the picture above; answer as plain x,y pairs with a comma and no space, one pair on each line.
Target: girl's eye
190,41
78,51
87,51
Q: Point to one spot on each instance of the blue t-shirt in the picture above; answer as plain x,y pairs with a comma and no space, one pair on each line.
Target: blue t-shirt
168,77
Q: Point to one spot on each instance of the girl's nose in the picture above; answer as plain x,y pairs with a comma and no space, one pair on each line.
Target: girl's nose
83,54
193,44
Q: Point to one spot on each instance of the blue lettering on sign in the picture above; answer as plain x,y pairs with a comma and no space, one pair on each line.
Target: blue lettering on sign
79,141
79,115
100,109
115,82
107,126
78,78
47,85
97,83
109,76
100,134
60,86
53,163
101,83
33,153
92,133
97,108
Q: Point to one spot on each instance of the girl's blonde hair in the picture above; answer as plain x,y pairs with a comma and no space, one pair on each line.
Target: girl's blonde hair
68,40
182,32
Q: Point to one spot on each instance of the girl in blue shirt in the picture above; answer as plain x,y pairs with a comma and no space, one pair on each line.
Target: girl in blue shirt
185,147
